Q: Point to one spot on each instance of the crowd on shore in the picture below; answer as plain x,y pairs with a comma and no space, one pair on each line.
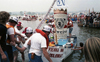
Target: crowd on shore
10,40
91,19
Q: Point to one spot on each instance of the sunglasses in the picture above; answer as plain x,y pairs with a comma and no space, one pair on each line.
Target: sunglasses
30,33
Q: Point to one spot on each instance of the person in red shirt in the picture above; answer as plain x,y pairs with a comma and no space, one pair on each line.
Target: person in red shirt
70,26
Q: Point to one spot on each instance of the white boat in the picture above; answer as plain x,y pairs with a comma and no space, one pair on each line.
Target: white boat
60,52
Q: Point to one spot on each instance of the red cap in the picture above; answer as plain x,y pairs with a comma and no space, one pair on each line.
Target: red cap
28,30
19,24
25,30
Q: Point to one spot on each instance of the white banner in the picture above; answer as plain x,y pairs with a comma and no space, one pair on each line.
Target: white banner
61,4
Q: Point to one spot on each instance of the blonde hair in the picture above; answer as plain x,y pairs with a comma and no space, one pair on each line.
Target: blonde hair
92,50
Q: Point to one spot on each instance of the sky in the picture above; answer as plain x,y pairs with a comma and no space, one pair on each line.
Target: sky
44,5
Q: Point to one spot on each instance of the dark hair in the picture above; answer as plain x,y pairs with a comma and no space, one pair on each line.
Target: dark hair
81,44
45,31
12,21
4,16
30,33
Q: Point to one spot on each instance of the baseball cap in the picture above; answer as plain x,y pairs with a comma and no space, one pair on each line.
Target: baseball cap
47,28
20,24
28,30
15,19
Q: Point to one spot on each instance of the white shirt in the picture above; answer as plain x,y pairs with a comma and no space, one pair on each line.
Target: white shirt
10,31
37,43
70,22
24,35
16,30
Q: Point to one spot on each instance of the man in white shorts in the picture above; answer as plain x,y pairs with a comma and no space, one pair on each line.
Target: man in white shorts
19,39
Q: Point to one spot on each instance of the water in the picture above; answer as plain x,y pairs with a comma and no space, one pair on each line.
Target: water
82,34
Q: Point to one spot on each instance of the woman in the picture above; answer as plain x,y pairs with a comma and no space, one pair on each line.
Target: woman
92,50
4,17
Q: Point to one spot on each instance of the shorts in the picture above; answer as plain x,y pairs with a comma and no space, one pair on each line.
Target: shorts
10,52
70,30
14,48
36,58
6,56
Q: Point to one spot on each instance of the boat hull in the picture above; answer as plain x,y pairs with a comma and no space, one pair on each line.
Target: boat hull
59,53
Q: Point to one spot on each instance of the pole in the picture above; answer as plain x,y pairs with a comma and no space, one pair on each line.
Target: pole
43,19
45,16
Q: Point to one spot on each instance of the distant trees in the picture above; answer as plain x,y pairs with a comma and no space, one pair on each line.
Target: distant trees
30,13
21,13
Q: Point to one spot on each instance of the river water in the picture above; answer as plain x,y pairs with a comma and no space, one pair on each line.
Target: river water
82,34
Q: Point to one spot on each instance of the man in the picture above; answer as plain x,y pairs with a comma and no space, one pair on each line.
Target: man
17,30
18,38
4,17
28,31
18,27
38,45
11,33
70,26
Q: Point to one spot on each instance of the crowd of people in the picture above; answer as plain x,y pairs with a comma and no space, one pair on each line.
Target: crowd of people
10,40
37,43
91,20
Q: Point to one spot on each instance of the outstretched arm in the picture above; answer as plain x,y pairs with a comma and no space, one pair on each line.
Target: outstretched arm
19,34
77,48
21,49
46,54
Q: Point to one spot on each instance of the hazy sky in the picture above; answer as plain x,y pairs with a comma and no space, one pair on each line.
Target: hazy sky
44,5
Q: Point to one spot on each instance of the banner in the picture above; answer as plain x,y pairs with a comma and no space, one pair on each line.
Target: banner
61,4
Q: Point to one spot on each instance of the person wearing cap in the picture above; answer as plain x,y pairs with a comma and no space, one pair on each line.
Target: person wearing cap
4,17
28,31
39,42
19,39
11,36
18,27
